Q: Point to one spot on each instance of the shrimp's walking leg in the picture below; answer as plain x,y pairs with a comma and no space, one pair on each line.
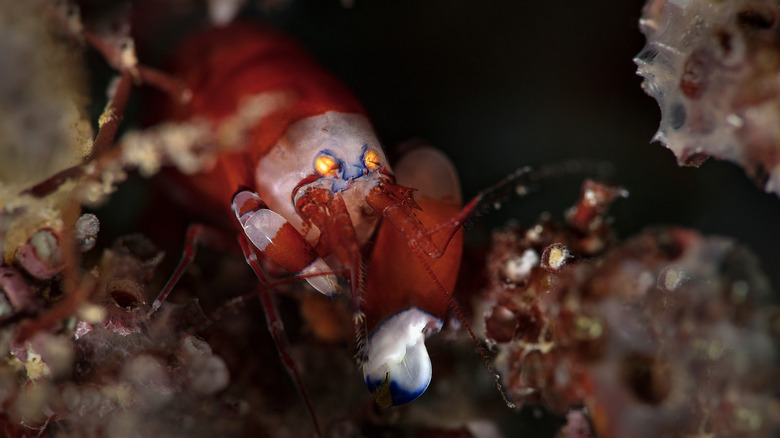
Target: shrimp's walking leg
276,327
270,233
197,234
281,242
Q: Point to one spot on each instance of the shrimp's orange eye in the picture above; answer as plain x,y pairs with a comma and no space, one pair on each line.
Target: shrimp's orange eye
326,166
371,160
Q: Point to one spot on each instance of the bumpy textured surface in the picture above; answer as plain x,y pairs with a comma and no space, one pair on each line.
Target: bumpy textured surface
43,127
713,68
669,333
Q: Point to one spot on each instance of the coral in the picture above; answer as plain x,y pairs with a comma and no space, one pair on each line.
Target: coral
713,68
79,357
669,332
43,123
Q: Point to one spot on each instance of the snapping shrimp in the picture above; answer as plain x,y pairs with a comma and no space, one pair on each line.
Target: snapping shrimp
310,188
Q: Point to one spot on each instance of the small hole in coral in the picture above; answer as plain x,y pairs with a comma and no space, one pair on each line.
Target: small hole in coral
724,39
677,116
124,299
695,76
646,377
501,325
82,368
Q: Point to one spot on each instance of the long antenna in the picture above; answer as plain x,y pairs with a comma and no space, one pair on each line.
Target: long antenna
520,182
454,306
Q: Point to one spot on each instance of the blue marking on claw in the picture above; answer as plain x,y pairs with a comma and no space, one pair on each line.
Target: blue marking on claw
398,396
398,368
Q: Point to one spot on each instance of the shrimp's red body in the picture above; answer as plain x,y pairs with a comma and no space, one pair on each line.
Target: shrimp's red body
317,187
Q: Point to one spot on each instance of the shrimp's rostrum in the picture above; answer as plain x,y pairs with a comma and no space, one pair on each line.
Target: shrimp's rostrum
317,192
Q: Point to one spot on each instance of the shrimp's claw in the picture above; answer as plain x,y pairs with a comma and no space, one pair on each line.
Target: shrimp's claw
398,368
275,237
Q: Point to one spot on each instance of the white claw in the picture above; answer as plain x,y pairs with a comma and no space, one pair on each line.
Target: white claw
398,369
260,224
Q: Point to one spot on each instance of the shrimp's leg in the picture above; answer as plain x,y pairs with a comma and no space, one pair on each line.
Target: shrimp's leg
277,239
276,326
197,234
270,233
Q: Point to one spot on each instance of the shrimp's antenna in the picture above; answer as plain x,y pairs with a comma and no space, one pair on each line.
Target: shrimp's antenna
526,179
459,313
272,286
520,183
